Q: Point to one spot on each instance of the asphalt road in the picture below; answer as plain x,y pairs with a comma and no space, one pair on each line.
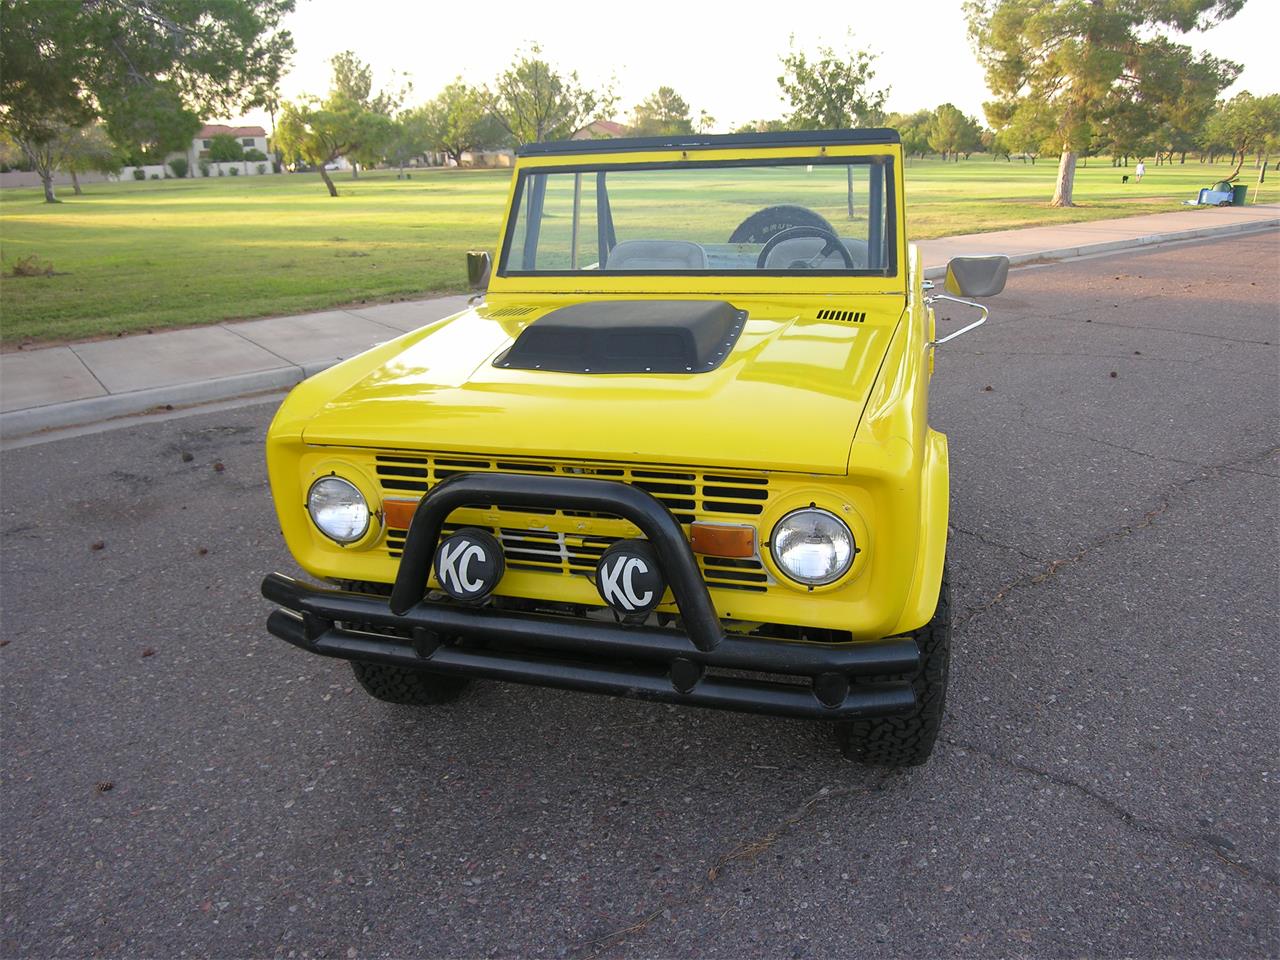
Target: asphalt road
178,783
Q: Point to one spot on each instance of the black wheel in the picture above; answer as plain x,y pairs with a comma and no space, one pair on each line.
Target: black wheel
415,688
907,740
763,224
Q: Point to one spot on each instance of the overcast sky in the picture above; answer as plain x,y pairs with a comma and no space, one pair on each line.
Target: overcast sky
721,57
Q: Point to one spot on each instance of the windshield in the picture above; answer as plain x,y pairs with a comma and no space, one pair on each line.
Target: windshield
827,216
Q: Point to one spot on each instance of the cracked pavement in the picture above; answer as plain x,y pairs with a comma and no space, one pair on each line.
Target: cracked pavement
177,783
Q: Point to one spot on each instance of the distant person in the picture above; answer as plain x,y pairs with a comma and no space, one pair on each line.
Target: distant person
1139,171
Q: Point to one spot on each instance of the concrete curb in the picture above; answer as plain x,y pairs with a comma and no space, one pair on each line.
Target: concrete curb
1110,246
18,423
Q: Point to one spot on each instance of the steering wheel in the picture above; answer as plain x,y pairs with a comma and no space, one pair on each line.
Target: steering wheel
792,233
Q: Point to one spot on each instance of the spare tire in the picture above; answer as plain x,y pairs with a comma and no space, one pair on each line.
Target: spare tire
763,224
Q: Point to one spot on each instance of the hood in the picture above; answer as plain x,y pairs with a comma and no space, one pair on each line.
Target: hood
788,397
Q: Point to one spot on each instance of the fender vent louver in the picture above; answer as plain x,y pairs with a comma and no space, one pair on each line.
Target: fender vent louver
511,312
845,316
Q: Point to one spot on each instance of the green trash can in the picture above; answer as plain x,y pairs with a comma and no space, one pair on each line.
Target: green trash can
1237,194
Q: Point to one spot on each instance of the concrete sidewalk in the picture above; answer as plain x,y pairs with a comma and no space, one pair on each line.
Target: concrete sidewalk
87,382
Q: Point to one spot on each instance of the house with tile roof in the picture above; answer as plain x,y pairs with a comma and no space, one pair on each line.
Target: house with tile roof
249,137
600,130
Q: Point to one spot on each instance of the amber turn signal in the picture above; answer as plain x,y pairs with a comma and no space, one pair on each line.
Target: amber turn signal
397,513
723,539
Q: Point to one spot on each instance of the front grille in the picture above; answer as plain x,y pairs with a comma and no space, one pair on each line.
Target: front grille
548,542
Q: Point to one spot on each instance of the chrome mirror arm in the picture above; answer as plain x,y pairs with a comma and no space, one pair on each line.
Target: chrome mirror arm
930,300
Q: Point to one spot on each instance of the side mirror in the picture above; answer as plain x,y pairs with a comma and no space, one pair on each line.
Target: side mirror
977,276
478,266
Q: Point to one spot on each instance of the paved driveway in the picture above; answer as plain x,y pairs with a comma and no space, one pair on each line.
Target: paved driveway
178,783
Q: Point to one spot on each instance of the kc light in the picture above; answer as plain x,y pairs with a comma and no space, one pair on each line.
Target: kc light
812,546
338,509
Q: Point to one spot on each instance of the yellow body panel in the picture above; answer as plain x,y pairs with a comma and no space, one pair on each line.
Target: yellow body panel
788,398
810,411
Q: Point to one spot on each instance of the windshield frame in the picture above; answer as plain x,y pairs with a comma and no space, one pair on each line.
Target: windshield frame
888,279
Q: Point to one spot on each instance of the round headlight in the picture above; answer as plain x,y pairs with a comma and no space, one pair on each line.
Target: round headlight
812,546
338,509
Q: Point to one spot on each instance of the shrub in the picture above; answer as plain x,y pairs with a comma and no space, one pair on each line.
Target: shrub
139,173
33,266
204,168
253,153
262,168
179,166
155,176
225,147
235,171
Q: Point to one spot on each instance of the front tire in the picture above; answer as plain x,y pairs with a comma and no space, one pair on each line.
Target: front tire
414,688
906,740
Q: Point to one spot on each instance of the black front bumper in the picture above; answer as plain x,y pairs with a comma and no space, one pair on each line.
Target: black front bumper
648,663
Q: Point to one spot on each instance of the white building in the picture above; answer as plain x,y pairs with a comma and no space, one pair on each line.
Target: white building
250,138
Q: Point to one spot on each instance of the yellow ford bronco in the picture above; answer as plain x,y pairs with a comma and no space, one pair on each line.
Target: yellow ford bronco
676,449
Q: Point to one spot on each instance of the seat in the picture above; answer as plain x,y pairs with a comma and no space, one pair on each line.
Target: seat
657,255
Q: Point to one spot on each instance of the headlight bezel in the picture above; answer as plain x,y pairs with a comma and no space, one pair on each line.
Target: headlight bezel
334,477
813,583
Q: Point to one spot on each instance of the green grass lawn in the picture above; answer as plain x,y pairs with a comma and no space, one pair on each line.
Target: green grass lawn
147,255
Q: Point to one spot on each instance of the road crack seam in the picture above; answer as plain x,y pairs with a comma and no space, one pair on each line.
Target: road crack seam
747,850
1185,333
983,538
1123,532
1195,841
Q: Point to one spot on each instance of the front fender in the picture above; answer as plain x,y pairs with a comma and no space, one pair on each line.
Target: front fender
935,507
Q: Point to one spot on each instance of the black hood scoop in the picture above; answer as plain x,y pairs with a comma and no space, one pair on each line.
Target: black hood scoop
629,336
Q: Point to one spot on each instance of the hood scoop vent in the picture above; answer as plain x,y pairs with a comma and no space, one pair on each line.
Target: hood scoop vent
510,312
844,316
628,336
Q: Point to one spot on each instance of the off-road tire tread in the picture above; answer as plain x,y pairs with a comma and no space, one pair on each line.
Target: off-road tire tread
414,688
907,740
764,224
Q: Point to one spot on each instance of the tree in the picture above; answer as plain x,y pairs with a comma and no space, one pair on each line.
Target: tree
1068,58
153,122
1161,106
374,135
1246,123
139,66
992,145
224,148
411,136
352,86
459,121
352,121
533,102
75,149
316,134
88,149
1184,89
1022,128
11,155
761,126
833,91
267,97
663,113
913,129
951,132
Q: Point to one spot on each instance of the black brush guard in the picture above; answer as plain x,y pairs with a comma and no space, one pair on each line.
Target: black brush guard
644,662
